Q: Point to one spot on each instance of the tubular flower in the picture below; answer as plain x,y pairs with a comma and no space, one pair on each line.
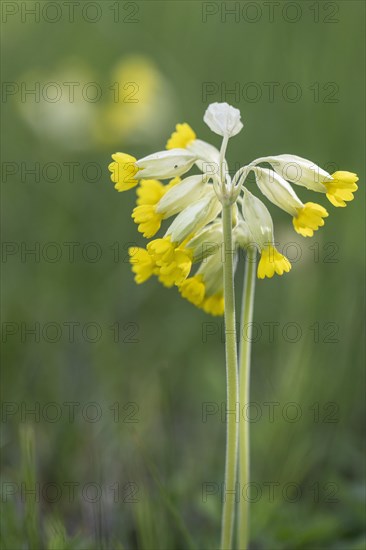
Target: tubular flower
338,187
260,222
306,218
166,164
126,171
205,288
188,253
212,274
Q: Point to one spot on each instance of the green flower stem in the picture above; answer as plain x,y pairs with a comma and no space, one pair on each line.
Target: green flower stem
244,382
228,511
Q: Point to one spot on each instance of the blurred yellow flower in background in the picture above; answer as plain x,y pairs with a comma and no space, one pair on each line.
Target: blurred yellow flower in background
140,104
79,109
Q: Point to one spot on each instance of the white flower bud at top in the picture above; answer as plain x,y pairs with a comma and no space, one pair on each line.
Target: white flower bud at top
223,119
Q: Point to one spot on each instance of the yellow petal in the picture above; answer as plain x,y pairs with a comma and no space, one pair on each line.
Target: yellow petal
272,262
309,218
182,137
341,188
123,171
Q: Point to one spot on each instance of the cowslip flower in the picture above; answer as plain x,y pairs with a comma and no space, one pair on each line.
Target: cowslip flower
189,253
208,217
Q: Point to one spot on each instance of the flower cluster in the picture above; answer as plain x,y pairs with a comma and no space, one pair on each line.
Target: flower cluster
195,236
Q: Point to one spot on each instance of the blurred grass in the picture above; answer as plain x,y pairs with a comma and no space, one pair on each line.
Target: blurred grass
172,370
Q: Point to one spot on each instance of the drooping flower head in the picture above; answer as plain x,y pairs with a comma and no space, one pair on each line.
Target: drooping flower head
189,254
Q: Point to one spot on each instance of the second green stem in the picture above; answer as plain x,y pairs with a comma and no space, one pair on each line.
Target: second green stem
228,492
244,385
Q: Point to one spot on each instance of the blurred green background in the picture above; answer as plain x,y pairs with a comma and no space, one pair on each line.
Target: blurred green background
118,450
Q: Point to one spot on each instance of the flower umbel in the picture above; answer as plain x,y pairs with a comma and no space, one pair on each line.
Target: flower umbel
189,253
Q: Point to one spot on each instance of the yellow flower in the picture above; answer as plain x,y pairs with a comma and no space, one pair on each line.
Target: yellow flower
205,288
183,136
175,272
142,264
173,261
309,218
195,235
193,289
149,194
132,111
123,171
149,221
214,304
162,250
272,262
341,188
151,191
